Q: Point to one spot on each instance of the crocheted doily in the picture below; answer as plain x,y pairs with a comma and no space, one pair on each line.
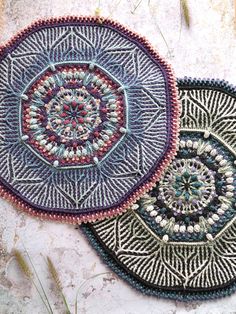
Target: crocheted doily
88,118
179,240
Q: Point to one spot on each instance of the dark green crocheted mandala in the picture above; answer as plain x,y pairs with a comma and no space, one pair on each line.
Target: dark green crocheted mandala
179,240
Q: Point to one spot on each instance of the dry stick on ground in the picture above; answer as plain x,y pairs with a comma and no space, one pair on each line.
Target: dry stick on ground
29,275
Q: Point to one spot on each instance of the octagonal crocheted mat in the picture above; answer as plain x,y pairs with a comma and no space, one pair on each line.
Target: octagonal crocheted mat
88,118
179,240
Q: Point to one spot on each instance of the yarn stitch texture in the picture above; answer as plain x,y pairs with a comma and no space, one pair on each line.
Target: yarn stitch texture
178,241
89,118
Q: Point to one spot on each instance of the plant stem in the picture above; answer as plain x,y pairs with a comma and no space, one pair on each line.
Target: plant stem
77,293
40,283
65,303
36,287
22,263
159,30
136,6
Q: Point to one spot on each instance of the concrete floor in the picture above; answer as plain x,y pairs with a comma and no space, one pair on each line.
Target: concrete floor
207,49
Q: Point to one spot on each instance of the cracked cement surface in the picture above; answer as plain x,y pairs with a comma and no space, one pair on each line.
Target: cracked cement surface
207,49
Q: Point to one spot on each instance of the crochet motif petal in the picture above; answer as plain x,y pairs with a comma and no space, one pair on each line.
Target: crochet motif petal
89,118
178,242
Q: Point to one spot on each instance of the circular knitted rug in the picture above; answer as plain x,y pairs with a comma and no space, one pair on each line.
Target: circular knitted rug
88,118
179,240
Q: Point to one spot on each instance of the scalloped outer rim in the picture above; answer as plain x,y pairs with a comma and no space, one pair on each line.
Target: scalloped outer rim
216,84
170,153
183,296
106,256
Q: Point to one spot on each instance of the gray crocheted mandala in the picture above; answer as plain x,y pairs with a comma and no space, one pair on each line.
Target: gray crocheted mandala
179,240
88,118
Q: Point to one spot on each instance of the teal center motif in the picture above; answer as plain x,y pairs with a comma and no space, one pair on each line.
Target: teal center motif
187,186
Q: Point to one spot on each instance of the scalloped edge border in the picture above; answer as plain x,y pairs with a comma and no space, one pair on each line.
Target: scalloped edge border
183,296
107,258
218,84
170,152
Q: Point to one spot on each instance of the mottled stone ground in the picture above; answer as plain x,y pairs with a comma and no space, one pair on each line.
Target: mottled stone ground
208,49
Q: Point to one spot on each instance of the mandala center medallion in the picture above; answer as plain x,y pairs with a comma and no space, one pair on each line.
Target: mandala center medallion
188,186
73,115
196,195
